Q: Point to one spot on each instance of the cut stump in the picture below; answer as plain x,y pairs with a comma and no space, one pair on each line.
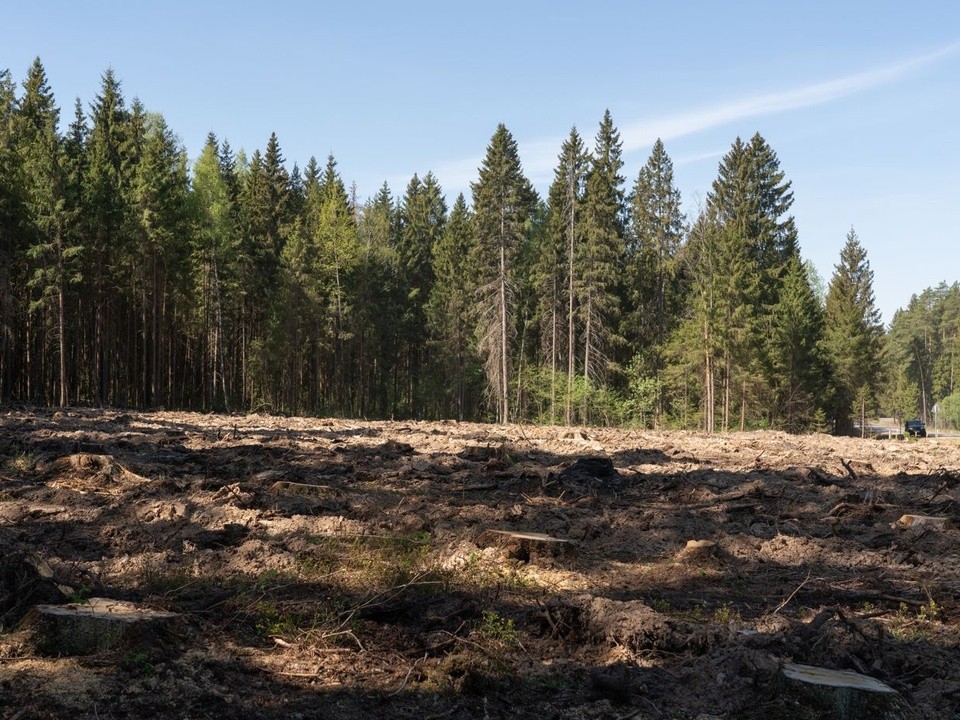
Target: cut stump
841,694
98,625
697,550
937,523
522,546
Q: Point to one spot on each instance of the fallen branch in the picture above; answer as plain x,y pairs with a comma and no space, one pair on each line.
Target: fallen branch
407,676
790,597
850,471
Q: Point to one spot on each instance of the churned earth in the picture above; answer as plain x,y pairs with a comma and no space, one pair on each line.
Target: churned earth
327,568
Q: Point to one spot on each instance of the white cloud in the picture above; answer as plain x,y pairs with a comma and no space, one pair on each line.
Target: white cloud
643,134
539,156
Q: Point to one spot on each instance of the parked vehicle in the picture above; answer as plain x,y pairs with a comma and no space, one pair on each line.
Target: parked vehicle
915,428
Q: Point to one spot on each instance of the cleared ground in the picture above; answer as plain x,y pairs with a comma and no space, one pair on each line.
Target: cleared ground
349,569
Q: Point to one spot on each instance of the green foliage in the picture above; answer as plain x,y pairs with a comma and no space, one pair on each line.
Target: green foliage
494,627
129,278
503,201
852,338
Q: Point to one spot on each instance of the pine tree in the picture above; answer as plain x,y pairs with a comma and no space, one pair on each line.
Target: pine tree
603,246
852,335
654,290
503,200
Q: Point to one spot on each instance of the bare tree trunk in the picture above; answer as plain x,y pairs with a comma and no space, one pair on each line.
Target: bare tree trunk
571,349
708,400
743,405
504,383
553,364
586,359
62,327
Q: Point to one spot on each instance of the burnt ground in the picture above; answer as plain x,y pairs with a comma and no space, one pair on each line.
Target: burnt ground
349,569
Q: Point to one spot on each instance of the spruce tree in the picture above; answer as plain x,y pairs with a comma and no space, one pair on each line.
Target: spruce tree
380,301
798,368
853,335
422,219
450,304
556,280
653,286
104,268
158,201
53,251
11,217
503,200
603,246
213,252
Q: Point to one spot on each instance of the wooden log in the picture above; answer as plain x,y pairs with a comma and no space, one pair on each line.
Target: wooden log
98,625
841,694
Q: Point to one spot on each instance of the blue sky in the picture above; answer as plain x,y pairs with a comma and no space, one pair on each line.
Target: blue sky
860,100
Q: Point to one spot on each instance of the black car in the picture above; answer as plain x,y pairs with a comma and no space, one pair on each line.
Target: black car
915,428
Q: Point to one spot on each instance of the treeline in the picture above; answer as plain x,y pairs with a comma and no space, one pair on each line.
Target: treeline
130,276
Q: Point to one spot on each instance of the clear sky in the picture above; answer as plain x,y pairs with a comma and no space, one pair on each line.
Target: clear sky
860,100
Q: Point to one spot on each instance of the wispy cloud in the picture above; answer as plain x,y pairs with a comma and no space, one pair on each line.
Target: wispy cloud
643,134
539,156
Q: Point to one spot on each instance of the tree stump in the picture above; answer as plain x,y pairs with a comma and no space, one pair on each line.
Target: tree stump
697,551
908,521
99,625
524,545
841,694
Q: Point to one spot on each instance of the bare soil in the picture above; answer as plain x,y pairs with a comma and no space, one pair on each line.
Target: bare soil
347,569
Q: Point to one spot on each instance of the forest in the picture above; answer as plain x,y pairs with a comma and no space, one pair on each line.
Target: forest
134,276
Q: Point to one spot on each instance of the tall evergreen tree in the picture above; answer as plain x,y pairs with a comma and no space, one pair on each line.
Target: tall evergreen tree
852,335
422,218
106,210
654,290
52,213
557,286
380,302
603,214
503,200
11,213
213,253
449,307
751,200
158,201
798,368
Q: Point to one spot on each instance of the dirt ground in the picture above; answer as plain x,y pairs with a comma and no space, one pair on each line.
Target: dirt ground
347,569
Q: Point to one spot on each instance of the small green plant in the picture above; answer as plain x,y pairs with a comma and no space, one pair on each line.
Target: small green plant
495,627
662,606
725,614
80,596
138,663
20,463
929,612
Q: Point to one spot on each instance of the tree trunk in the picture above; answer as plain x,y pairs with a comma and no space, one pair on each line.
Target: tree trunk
504,384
